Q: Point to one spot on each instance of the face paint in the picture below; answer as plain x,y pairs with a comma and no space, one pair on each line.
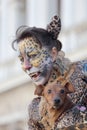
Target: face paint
36,61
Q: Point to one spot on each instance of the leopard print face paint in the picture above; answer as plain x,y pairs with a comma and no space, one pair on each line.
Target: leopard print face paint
36,61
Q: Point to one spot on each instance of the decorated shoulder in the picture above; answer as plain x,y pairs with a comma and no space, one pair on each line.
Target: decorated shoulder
82,126
81,70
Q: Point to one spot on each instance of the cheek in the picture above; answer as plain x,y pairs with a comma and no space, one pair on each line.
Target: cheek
35,62
49,99
38,61
63,96
22,67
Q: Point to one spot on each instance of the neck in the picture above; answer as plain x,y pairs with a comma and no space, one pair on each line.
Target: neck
62,64
57,72
54,75
59,69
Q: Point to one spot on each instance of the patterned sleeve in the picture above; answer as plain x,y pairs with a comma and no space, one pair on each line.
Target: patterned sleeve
82,126
78,81
34,118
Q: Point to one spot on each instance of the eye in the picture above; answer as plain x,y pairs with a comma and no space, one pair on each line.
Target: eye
28,54
49,91
31,56
62,91
21,58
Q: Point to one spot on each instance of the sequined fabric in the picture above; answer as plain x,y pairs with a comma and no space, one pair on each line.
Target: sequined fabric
72,117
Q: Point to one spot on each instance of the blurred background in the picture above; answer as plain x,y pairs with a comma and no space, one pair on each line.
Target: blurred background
16,88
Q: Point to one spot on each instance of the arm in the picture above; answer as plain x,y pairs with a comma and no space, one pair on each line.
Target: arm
34,118
82,126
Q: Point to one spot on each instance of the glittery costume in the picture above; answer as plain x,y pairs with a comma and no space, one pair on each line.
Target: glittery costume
79,97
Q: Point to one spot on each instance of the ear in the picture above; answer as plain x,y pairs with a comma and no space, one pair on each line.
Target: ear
54,27
54,53
69,87
39,90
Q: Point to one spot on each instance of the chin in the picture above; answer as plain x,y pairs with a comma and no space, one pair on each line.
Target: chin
56,107
40,82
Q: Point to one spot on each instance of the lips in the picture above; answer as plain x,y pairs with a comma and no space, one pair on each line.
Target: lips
34,75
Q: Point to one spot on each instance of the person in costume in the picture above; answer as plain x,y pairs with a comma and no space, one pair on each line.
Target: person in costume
39,51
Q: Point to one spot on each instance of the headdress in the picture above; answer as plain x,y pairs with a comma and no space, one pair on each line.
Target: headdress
54,27
47,37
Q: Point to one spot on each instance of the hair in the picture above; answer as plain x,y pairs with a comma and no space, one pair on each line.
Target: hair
43,36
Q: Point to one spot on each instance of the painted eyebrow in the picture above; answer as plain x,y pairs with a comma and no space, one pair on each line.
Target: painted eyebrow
32,51
29,50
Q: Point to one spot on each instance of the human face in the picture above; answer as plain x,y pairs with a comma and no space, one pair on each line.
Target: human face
36,61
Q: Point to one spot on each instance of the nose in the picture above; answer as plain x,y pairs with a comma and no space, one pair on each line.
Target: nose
26,65
57,101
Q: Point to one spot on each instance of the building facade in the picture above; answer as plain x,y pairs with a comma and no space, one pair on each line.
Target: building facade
16,88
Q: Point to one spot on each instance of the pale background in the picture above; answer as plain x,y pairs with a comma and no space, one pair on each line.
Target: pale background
16,88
